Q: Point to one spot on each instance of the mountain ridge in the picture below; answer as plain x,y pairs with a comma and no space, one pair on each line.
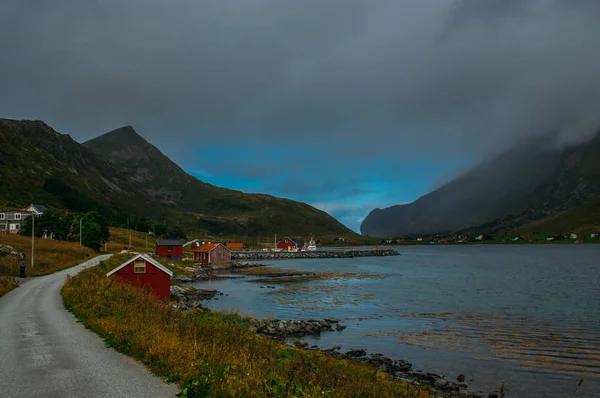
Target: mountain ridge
122,175
526,184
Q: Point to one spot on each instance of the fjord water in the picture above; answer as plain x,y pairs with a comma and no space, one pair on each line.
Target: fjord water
527,316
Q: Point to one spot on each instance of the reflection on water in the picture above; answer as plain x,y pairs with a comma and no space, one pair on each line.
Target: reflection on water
525,316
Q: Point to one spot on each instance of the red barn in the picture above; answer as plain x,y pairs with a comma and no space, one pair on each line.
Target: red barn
289,244
144,271
171,249
212,253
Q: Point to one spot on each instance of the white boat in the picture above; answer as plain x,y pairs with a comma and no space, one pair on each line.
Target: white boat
311,245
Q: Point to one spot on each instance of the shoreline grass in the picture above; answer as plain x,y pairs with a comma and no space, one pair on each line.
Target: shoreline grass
214,354
50,255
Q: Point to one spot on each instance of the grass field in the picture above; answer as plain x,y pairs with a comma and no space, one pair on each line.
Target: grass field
50,255
213,354
119,240
7,284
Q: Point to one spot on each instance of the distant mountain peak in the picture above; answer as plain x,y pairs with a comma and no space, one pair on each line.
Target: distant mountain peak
118,138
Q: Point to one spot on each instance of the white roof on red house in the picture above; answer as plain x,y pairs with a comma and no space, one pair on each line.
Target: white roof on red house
147,258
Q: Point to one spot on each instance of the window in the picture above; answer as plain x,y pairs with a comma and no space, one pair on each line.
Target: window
139,266
17,216
170,247
2,216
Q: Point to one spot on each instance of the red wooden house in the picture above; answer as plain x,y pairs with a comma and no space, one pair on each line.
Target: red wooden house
171,249
212,253
145,272
290,244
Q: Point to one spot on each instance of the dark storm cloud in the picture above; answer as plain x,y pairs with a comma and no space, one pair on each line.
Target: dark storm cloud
361,79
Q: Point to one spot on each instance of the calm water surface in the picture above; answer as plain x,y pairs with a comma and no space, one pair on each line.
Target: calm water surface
524,315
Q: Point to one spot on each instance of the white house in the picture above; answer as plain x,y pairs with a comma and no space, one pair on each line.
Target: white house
12,221
38,210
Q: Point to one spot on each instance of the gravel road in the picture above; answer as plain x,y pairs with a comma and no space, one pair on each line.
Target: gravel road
44,352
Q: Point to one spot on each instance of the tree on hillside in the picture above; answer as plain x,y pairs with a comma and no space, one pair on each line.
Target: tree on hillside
94,229
92,235
176,233
95,217
52,223
159,229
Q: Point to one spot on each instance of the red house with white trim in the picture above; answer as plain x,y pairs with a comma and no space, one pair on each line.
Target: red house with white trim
171,249
145,272
212,253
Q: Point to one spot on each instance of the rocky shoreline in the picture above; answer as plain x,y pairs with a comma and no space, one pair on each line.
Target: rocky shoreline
402,370
282,330
206,272
191,299
273,255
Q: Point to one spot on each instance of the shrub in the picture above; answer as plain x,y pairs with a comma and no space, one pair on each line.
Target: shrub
7,284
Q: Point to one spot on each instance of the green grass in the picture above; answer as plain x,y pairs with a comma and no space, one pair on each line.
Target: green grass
583,219
214,354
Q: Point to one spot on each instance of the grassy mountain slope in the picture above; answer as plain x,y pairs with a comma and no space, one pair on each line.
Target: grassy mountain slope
120,174
39,165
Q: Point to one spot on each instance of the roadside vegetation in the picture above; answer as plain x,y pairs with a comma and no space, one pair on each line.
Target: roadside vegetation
212,354
90,228
7,284
50,255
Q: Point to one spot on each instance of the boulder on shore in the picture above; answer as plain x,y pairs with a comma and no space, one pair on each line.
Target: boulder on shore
190,299
284,328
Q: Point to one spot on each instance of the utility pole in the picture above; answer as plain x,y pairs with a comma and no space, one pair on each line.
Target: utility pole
80,229
129,232
32,236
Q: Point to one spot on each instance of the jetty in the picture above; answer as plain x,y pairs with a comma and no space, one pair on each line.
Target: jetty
282,255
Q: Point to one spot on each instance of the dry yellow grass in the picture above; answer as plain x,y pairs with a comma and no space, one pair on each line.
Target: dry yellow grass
7,284
50,255
119,240
214,354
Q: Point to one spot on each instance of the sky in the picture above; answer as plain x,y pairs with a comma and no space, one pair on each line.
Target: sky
347,105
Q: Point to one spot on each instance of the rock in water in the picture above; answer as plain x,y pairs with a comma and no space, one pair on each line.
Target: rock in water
296,327
355,353
460,378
